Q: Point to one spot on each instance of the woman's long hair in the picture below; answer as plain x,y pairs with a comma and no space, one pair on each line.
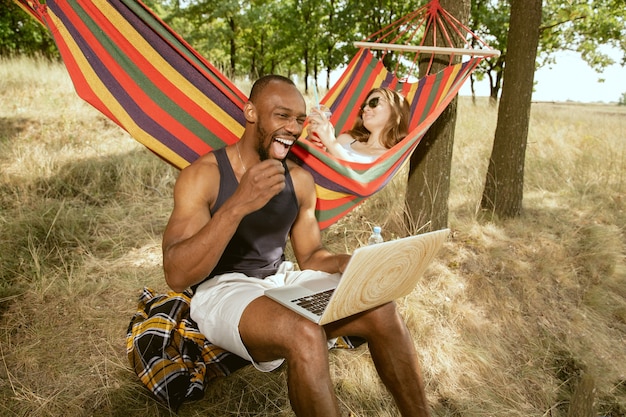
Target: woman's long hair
398,124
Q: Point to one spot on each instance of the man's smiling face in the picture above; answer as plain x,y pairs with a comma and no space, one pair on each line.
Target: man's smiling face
281,112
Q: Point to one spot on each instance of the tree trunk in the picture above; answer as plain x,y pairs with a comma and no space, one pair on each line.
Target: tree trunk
428,184
233,47
504,184
307,70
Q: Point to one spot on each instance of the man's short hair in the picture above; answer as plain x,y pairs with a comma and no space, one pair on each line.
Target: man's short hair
261,83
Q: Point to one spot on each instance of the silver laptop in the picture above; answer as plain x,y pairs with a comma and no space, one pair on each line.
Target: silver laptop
375,275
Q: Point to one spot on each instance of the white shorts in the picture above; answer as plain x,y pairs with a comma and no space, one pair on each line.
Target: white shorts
219,302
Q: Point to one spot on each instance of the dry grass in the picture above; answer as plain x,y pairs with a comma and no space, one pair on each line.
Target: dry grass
512,318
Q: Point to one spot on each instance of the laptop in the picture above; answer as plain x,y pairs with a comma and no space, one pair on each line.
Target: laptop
375,275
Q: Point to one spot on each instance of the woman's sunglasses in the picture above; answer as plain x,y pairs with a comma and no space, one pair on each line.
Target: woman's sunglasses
372,103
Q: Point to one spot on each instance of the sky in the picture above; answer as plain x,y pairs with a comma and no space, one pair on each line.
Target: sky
571,79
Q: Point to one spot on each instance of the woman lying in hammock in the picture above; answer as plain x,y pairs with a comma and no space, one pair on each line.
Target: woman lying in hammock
383,121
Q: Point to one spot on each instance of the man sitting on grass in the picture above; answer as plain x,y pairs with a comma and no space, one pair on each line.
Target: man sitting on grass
233,211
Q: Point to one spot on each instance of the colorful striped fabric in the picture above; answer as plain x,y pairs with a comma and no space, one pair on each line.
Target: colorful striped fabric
341,185
133,68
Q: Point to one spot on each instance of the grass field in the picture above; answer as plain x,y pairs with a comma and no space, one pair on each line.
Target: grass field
525,317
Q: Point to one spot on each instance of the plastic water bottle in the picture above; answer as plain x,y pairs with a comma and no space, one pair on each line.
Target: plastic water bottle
375,237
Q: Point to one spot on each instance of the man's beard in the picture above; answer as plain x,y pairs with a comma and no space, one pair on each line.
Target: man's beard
263,151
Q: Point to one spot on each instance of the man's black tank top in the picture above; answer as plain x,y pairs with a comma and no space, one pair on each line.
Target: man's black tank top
258,246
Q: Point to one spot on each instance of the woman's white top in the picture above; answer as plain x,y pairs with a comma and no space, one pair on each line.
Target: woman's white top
356,156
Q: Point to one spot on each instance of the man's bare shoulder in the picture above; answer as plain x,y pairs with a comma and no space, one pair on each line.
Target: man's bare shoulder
303,184
201,176
299,174
205,164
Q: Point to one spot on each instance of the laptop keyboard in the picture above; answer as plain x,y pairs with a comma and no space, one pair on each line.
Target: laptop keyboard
315,303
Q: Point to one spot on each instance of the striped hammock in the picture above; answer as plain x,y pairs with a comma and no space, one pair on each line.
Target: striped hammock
137,71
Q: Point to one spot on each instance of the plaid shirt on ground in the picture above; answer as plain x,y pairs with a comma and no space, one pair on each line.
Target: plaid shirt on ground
170,355
168,352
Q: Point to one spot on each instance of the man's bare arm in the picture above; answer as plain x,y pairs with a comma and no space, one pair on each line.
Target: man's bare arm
306,237
194,240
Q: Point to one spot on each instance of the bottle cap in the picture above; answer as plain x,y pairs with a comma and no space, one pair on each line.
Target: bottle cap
377,229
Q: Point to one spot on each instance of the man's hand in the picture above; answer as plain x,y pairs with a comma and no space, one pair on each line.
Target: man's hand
259,184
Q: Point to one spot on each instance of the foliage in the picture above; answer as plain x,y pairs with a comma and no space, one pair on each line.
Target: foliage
310,37
20,34
490,19
253,38
584,26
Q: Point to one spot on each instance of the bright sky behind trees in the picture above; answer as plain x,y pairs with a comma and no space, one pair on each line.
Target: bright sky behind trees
571,79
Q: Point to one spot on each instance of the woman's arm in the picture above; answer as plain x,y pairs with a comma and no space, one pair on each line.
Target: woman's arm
322,133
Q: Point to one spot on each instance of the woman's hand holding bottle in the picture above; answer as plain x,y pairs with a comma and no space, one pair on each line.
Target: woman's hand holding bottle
321,130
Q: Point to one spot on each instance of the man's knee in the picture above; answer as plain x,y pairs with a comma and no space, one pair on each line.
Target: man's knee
306,341
385,319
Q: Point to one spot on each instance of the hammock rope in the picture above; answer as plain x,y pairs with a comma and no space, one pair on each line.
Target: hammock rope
128,64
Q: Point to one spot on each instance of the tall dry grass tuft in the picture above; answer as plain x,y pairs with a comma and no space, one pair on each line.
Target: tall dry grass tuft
525,317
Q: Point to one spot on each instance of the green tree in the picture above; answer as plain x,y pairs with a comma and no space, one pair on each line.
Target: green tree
335,50
21,34
505,175
583,26
490,19
211,27
428,183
